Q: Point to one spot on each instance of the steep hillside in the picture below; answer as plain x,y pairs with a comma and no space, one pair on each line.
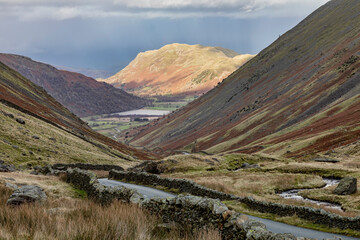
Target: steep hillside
299,96
84,96
49,129
178,69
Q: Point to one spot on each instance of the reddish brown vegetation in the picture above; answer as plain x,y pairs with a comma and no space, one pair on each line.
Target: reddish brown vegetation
303,74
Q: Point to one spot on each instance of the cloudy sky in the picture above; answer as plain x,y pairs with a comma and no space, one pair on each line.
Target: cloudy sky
108,34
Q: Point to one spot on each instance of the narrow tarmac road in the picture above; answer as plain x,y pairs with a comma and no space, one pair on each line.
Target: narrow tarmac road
272,226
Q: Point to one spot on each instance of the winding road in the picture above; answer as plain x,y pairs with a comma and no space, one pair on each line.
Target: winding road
272,226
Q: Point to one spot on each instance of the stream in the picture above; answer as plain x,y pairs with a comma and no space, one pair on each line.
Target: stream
294,194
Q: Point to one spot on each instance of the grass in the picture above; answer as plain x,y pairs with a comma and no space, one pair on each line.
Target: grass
39,143
115,127
65,217
275,175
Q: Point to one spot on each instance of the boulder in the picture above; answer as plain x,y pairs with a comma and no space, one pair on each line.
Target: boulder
7,168
329,160
347,186
20,120
27,194
11,185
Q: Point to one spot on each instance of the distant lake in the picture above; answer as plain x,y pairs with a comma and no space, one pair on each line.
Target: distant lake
143,112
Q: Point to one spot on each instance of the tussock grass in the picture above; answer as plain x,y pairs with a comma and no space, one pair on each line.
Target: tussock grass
69,218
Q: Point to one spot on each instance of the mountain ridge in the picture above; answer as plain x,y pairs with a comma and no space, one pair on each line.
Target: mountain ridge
82,95
177,69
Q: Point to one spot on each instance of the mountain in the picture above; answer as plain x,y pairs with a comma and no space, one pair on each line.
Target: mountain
177,69
84,96
37,129
299,96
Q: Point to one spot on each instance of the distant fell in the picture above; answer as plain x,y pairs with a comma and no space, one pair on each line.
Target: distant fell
178,69
83,95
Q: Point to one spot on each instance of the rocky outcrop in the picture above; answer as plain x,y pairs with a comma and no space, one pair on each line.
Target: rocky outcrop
27,194
6,168
149,167
327,160
347,186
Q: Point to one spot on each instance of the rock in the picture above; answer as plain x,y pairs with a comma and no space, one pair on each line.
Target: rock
226,214
167,227
10,179
149,167
219,208
20,120
27,194
34,173
258,233
136,198
347,186
11,185
329,160
247,166
7,168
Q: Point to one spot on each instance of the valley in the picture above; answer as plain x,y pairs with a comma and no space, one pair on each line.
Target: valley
120,126
187,141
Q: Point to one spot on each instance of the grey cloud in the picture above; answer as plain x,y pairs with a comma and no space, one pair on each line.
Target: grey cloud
68,9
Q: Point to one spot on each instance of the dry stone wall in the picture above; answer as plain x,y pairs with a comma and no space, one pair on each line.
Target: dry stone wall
192,212
86,166
183,185
315,215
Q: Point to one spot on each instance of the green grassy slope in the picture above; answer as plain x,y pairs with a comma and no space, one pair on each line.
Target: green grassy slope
49,117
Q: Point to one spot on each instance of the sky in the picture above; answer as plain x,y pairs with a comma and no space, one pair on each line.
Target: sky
108,34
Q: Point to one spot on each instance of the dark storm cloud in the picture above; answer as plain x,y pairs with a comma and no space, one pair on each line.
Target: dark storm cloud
110,33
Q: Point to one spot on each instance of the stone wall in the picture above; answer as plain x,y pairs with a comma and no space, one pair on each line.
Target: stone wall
315,215
182,184
190,212
58,168
86,166
194,212
88,182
